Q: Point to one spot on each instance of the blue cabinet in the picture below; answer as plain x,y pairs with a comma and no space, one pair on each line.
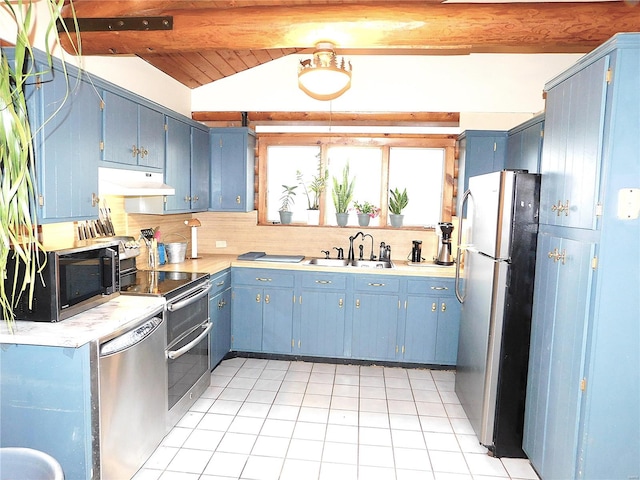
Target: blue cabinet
479,152
134,134
177,170
66,112
232,169
200,169
220,314
583,393
524,145
573,147
432,322
375,308
322,309
262,310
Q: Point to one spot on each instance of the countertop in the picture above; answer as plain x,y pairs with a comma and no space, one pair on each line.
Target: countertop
104,320
215,263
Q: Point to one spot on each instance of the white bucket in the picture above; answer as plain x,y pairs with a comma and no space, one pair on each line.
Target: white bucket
176,251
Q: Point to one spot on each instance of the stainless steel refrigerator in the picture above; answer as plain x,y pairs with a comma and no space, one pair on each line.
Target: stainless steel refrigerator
494,282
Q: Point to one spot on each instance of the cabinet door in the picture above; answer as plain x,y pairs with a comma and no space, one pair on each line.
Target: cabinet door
572,150
447,330
277,320
151,141
177,170
232,170
559,325
200,169
375,321
420,329
68,149
220,313
322,321
524,148
120,129
246,321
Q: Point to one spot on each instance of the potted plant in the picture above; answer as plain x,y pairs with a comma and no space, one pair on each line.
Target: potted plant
397,202
313,190
366,211
342,194
19,225
286,200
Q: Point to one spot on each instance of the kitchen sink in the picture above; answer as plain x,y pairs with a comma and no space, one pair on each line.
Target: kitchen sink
329,262
334,262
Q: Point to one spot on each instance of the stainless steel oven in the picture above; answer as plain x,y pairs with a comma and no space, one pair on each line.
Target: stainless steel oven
188,327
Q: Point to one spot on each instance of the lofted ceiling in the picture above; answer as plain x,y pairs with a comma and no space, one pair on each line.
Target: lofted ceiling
199,42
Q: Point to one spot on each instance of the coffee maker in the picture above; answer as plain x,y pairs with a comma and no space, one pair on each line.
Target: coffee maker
444,254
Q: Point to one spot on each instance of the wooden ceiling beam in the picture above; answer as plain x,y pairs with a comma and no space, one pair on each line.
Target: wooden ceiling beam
418,119
541,27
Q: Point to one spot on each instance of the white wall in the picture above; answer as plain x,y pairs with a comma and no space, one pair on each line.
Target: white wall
490,90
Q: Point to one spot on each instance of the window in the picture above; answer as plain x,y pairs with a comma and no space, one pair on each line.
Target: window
424,165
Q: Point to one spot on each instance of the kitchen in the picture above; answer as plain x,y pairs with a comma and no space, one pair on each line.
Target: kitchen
134,223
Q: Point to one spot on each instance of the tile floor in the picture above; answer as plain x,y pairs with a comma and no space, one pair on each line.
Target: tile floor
280,420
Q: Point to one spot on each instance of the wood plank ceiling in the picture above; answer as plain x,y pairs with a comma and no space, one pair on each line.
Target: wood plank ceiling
213,39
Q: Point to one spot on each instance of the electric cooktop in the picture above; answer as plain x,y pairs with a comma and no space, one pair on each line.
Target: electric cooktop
157,283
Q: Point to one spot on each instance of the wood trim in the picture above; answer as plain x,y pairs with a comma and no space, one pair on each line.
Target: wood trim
417,119
479,27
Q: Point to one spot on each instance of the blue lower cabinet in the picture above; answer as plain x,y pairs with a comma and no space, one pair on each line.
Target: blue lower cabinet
246,319
277,320
447,330
420,332
220,314
322,323
375,323
47,405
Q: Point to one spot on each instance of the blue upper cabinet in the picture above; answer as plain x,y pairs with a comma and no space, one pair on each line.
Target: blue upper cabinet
200,169
572,151
177,172
134,134
232,169
479,152
66,119
524,145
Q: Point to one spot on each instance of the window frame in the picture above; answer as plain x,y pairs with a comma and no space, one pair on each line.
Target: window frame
386,142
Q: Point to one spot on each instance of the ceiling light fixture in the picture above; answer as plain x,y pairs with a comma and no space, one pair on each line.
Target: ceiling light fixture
323,77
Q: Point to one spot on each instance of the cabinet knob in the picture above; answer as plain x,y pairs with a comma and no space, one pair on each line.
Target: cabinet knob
340,303
134,151
267,299
443,307
561,208
187,198
258,298
143,152
195,198
434,307
358,303
238,200
95,200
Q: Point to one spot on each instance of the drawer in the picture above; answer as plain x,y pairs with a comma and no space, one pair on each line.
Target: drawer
262,277
325,281
220,282
431,286
377,283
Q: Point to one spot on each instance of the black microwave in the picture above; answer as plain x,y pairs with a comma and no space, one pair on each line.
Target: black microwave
72,281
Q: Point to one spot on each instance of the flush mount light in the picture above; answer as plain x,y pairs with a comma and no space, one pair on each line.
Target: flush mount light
323,77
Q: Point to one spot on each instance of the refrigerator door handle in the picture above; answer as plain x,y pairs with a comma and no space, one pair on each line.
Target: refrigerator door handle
460,296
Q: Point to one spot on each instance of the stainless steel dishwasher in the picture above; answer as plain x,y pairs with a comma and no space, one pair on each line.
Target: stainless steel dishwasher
133,397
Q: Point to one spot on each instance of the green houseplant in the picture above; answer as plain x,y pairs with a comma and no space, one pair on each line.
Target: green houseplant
314,189
366,211
397,202
286,200
19,240
342,193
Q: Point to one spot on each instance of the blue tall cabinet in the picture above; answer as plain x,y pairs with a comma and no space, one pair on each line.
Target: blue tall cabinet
583,396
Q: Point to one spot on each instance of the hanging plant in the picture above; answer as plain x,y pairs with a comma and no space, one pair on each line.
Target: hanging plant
18,221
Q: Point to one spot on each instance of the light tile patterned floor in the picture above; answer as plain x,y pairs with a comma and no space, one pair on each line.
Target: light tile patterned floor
280,420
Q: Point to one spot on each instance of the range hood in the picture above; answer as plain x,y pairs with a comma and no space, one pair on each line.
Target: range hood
132,183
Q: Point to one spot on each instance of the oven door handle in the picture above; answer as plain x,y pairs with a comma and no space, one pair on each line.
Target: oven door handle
173,354
172,307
